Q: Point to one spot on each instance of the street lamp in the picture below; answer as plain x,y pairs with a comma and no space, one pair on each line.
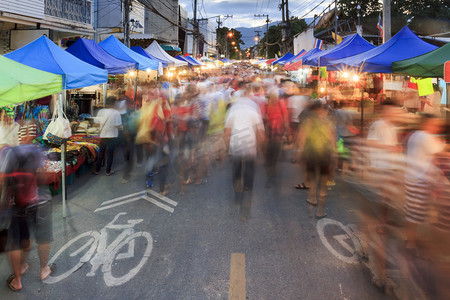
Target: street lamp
359,15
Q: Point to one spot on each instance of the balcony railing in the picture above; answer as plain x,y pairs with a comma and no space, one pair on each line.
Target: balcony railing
73,10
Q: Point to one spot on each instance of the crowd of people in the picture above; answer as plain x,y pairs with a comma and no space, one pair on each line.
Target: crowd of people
180,129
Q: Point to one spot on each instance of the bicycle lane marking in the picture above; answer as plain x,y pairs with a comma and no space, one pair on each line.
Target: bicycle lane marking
340,238
99,253
143,195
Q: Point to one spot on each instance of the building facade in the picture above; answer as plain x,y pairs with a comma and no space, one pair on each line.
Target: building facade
23,21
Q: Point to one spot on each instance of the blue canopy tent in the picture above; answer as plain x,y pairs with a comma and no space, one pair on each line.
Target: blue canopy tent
285,57
182,58
313,60
193,60
301,53
45,55
307,55
226,60
88,51
115,48
355,45
141,51
405,44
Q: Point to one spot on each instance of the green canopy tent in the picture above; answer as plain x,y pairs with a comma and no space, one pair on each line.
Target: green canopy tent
19,83
430,64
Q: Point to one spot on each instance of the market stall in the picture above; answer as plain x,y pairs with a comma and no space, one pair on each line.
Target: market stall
141,51
154,49
405,44
288,61
23,83
43,54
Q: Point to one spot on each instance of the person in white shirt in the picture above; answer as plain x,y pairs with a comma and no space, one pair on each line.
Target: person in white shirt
110,122
382,138
244,130
420,174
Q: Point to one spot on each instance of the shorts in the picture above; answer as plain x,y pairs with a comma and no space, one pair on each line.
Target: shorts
36,219
322,164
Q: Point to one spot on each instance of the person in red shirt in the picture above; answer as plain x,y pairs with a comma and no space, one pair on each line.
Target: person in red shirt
277,126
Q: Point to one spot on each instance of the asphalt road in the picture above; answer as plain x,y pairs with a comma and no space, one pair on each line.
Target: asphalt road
200,245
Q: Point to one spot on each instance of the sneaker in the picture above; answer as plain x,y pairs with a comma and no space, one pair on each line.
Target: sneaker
95,172
109,173
150,174
149,183
124,180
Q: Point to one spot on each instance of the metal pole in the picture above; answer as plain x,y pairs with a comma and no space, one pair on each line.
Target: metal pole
267,37
126,30
135,86
386,20
95,20
335,22
62,98
105,88
195,43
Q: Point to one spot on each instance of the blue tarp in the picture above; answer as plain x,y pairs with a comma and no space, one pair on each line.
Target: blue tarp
354,46
313,60
193,60
141,51
293,57
88,51
114,47
307,55
287,56
182,58
45,55
405,44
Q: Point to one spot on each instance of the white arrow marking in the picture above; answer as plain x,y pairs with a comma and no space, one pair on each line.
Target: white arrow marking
157,203
163,198
118,203
341,238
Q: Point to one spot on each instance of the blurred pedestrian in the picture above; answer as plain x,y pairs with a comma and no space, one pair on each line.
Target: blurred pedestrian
317,141
110,121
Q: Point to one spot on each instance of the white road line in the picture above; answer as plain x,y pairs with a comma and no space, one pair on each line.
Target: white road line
157,203
124,197
117,204
163,198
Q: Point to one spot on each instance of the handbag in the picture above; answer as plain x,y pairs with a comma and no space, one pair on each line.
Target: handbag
27,126
9,130
59,130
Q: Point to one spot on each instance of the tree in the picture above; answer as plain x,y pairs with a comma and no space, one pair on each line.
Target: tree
349,8
227,43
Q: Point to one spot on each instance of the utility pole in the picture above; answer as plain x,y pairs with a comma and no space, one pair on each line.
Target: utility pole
267,32
195,33
335,22
126,22
386,20
220,21
283,26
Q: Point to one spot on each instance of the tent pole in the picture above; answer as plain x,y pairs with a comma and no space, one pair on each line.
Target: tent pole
135,87
62,99
105,90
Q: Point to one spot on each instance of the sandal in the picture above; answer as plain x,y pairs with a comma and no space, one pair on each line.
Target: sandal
301,186
311,203
9,283
321,217
52,270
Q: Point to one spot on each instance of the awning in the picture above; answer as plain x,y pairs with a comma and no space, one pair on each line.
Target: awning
114,47
88,51
170,48
45,55
405,44
285,57
155,50
141,51
269,61
23,83
293,66
427,65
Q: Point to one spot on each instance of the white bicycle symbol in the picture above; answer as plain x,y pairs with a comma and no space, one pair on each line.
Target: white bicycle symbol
105,254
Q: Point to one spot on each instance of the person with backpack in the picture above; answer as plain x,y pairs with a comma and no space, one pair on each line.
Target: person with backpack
317,139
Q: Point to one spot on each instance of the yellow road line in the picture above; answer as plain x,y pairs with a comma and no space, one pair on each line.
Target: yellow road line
237,277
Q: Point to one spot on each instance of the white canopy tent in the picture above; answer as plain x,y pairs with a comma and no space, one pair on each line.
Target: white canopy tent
155,50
